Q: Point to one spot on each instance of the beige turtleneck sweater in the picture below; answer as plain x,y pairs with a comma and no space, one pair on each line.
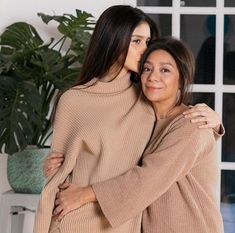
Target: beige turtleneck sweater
103,130
176,183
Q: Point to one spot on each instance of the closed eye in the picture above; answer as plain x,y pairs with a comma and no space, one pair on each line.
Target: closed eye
137,41
147,42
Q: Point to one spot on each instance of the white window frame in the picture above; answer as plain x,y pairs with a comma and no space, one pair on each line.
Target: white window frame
218,88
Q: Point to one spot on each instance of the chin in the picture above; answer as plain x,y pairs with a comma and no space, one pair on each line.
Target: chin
134,69
152,98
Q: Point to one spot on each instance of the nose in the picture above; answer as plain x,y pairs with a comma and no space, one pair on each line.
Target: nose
154,77
143,48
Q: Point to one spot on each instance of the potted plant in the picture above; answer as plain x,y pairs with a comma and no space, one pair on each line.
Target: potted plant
31,74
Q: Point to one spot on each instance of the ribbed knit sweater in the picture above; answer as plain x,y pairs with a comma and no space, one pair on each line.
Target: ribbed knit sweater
103,130
176,182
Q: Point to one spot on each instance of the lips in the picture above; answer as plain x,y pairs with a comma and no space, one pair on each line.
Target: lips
153,88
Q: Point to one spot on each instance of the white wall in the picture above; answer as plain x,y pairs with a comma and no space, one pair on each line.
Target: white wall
4,186
26,10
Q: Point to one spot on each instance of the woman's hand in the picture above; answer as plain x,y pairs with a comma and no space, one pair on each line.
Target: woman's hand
204,116
52,163
71,197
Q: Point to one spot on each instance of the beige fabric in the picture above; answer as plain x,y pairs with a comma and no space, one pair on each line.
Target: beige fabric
179,176
95,128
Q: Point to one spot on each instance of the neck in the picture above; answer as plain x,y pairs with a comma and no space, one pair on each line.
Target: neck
163,110
114,74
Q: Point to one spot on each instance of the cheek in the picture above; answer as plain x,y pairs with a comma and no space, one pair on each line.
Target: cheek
131,62
175,87
143,79
131,56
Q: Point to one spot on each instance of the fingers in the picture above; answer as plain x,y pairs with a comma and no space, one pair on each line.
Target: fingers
55,155
203,120
201,105
198,110
50,172
195,114
57,209
203,116
62,214
57,202
64,185
52,162
61,207
54,159
205,126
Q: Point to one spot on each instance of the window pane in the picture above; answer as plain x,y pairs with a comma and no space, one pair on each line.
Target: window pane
228,200
201,38
229,3
206,3
199,97
154,2
228,145
229,49
164,23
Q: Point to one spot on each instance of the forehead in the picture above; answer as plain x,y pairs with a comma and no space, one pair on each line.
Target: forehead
142,29
161,56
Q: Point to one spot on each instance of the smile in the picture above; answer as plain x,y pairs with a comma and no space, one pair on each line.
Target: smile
153,88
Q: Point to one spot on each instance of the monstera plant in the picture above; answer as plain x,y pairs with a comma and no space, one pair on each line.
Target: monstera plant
32,72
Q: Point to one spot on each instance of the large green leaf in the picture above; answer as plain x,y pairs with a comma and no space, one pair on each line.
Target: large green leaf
32,72
21,36
20,105
18,44
69,24
77,28
5,63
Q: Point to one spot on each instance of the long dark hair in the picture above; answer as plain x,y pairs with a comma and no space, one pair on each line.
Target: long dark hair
110,40
109,43
184,59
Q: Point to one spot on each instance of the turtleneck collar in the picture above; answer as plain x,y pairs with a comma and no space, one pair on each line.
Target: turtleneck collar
116,85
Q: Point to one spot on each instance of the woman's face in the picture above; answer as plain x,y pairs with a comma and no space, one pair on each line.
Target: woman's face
160,78
139,40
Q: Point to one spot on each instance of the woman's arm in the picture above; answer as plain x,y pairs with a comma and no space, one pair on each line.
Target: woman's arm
71,197
123,197
52,163
200,114
64,134
205,117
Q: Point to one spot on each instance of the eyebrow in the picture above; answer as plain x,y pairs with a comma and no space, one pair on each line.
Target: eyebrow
149,62
135,35
162,63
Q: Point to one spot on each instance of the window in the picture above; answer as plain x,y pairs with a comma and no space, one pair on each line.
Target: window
208,27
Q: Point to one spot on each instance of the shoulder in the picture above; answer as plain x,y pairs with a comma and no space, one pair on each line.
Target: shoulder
68,102
186,128
69,97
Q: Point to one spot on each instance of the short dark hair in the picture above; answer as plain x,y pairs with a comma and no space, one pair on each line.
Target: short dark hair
184,59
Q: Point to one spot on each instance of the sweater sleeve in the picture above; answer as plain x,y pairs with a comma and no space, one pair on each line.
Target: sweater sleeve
221,132
123,197
65,133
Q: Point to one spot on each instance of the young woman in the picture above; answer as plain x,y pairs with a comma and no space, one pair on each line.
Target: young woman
99,123
97,120
179,173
